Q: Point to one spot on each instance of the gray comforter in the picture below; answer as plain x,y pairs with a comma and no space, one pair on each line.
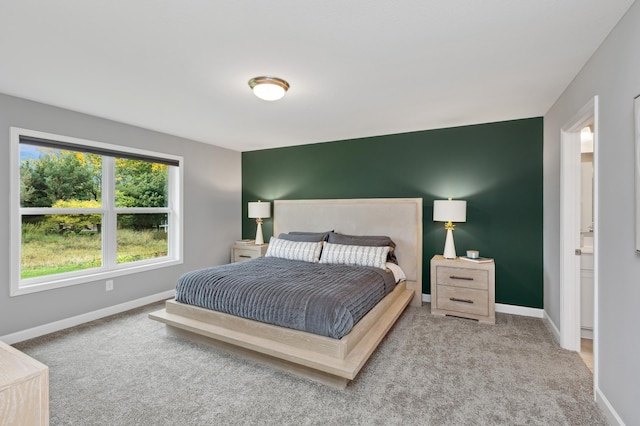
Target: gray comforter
318,298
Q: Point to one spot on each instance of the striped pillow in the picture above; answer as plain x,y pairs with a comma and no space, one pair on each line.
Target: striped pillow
355,255
294,250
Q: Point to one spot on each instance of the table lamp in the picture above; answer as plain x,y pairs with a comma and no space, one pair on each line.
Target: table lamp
258,211
449,211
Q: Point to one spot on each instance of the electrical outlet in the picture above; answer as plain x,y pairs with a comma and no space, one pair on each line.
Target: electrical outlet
109,285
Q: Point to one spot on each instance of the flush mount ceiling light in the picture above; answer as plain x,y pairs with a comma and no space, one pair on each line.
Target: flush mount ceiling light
268,88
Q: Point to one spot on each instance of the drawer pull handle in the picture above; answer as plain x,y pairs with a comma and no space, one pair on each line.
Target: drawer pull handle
245,256
454,277
455,299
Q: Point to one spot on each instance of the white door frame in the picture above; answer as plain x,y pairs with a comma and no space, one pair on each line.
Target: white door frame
570,229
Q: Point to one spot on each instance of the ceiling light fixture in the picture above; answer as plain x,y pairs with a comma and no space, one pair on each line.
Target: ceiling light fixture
268,88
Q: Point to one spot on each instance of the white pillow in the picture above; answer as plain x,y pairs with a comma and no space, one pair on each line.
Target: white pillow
355,255
294,250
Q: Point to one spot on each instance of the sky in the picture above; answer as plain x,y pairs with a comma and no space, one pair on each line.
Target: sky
28,152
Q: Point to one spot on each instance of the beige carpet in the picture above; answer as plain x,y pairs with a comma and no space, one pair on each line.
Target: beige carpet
124,370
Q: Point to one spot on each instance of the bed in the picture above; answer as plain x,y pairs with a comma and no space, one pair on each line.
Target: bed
330,360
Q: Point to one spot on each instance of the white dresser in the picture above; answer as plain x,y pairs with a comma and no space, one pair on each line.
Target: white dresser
24,389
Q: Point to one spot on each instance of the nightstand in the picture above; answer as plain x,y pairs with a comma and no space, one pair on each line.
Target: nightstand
463,289
242,252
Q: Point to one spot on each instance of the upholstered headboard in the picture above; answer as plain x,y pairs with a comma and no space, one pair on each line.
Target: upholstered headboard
398,218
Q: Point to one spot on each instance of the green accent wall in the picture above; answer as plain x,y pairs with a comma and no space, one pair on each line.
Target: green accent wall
496,167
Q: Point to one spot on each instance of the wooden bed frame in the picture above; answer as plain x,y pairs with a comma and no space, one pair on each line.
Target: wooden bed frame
330,361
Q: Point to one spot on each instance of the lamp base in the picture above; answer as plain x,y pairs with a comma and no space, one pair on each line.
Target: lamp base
259,237
449,246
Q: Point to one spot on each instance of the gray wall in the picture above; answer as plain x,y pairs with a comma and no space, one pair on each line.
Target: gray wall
212,213
613,73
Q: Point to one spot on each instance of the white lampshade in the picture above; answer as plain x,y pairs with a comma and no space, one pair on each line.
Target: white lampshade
259,209
449,211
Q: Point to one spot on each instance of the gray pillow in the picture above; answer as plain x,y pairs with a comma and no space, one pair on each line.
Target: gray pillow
312,237
365,240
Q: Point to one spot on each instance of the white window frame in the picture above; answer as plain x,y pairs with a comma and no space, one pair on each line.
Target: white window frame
110,268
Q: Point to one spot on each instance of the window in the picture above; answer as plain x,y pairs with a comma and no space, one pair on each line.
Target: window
84,211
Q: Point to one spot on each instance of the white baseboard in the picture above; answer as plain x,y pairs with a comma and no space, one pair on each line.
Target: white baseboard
519,310
506,309
552,327
41,330
612,417
586,333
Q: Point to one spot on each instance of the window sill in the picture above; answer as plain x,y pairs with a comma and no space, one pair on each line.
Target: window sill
19,290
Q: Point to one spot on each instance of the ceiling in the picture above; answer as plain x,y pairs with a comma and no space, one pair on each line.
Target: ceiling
356,68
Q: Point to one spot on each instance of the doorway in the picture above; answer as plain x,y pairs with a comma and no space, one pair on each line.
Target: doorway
576,237
586,245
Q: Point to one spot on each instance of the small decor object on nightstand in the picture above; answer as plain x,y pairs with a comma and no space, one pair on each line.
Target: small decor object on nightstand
463,289
477,259
473,254
246,242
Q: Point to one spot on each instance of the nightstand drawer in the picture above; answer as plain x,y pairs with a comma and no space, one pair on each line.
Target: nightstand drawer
462,277
244,254
463,300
